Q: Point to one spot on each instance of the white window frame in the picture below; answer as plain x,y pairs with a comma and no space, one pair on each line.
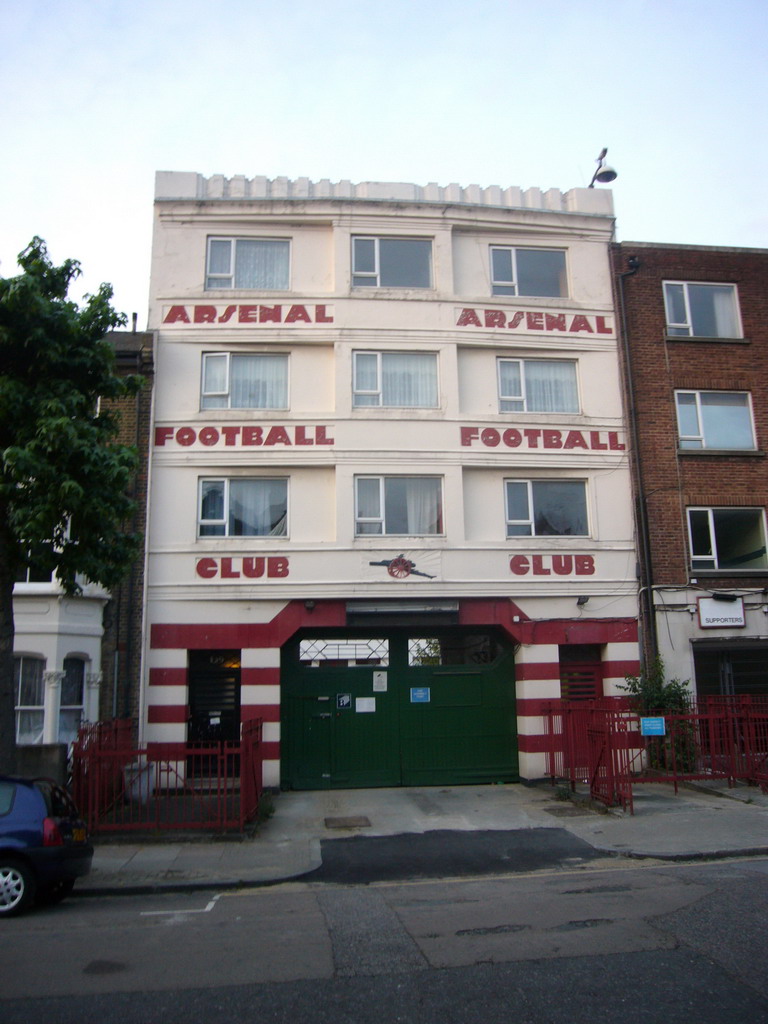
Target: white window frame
72,707
374,276
377,392
684,329
20,709
224,520
227,392
226,281
530,521
511,286
381,517
523,396
697,561
698,441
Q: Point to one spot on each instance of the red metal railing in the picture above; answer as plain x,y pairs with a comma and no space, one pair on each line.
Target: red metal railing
599,743
120,786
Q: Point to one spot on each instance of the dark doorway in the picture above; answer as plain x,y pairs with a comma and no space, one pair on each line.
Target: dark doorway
214,696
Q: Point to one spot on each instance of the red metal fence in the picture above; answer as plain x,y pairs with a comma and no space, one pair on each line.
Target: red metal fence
120,786
600,743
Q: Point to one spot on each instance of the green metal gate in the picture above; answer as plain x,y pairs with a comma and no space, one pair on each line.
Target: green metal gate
401,707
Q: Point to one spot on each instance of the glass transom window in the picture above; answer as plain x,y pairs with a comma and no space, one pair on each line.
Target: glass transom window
248,263
714,419
241,507
527,271
395,379
537,385
391,262
701,310
544,508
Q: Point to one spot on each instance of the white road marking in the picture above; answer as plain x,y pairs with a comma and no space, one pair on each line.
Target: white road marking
204,910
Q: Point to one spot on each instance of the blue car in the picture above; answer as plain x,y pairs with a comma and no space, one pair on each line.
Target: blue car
44,845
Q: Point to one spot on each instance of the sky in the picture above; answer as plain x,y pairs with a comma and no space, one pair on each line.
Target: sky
99,94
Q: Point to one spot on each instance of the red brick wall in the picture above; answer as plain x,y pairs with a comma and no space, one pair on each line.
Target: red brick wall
673,481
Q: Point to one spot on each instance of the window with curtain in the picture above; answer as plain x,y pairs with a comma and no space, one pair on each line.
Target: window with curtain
701,310
391,262
72,699
714,419
405,505
537,385
406,380
248,263
527,271
546,508
240,507
244,381
29,690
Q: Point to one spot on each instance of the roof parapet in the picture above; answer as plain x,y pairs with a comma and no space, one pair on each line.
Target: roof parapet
188,185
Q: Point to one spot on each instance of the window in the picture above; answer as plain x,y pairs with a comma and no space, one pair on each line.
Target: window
537,385
543,508
727,538
395,379
714,419
244,507
527,271
244,381
398,505
701,310
391,262
72,702
29,690
248,263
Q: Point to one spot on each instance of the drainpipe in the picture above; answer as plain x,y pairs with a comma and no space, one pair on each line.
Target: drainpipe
646,567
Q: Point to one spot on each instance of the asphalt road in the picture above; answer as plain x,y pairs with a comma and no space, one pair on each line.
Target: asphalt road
671,943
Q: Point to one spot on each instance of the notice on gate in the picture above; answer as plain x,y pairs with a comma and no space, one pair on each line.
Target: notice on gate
379,682
365,704
420,695
653,727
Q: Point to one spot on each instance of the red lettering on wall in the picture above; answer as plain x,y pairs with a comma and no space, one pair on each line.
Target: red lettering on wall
512,438
575,439
490,437
320,316
562,565
468,435
532,437
227,572
297,313
552,439
252,435
517,319
205,314
206,567
534,321
253,568
580,323
163,434
468,317
614,443
602,326
494,318
301,436
230,435
270,314
277,435
596,444
209,436
554,322
176,315
247,314
538,566
584,565
185,436
277,566
321,437
519,565
227,315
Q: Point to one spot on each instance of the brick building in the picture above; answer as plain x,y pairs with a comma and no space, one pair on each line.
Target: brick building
695,355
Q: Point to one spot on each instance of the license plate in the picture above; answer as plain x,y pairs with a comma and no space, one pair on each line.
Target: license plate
78,835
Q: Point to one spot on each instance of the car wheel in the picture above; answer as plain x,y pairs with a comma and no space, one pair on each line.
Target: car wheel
55,893
17,887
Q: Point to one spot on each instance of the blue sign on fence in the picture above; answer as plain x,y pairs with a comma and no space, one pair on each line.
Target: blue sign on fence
420,695
653,727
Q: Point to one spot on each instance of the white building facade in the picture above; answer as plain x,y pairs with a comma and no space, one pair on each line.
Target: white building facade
390,507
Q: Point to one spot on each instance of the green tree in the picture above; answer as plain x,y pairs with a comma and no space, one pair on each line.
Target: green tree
64,479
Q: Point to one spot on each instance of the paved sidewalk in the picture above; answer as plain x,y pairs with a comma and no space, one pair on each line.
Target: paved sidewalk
692,824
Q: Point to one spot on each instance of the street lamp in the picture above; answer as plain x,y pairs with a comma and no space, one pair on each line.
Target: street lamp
604,173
